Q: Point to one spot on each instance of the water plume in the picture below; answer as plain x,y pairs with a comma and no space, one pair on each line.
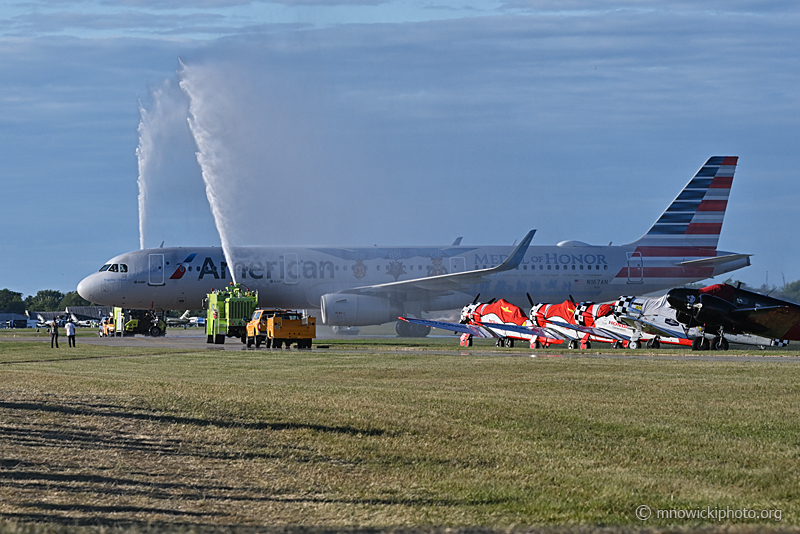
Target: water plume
211,153
143,152
172,206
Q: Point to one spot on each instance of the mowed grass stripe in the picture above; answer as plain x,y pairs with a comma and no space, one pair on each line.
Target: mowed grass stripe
395,439
36,352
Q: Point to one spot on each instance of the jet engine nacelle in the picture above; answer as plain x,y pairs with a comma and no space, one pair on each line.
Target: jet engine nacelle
341,309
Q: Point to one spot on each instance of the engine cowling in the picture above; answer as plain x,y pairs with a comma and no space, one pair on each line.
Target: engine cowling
716,311
340,309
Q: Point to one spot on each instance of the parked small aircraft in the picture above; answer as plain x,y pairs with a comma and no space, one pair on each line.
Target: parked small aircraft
488,320
178,321
629,321
724,309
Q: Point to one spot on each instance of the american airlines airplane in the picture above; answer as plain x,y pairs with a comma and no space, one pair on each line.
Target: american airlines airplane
375,285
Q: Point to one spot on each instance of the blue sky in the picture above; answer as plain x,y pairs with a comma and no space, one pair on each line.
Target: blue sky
390,123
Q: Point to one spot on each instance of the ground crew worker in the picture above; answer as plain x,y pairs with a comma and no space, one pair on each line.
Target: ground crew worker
54,333
70,330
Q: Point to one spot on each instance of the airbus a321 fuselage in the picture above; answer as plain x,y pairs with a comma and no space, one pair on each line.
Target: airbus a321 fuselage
375,285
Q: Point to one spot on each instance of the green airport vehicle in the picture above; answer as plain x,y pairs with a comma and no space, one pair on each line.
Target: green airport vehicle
228,311
124,322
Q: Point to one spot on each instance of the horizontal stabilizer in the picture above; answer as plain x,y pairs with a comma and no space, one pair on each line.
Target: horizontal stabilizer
712,262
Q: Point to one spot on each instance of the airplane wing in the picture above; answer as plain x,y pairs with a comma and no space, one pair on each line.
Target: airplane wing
527,330
768,321
445,283
592,331
650,328
476,331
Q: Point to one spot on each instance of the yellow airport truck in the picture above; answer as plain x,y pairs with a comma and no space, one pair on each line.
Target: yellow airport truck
277,328
107,327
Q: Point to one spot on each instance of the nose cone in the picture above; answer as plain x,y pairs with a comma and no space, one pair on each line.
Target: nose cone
88,289
682,298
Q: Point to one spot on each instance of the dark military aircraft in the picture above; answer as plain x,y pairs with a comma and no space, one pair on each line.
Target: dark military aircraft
723,308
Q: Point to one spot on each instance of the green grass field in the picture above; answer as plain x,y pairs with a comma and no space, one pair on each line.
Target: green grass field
131,438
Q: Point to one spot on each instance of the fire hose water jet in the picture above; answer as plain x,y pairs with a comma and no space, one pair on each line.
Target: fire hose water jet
211,155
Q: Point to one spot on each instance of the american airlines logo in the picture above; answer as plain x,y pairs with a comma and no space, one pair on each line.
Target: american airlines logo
181,270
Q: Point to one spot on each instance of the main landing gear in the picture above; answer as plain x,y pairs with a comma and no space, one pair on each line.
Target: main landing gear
653,343
504,342
717,343
700,343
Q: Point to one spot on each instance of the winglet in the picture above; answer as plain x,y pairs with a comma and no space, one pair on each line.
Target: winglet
515,258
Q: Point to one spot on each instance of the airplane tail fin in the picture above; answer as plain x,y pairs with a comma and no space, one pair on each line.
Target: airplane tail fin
692,223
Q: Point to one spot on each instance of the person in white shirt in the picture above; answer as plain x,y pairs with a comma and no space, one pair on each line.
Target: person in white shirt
70,330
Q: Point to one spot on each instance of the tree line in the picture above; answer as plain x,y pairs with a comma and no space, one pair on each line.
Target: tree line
43,300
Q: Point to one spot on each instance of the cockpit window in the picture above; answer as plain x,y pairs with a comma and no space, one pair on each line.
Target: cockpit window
123,268
114,268
105,267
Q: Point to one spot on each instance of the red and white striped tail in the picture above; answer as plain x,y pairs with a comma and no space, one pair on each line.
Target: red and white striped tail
689,229
692,223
